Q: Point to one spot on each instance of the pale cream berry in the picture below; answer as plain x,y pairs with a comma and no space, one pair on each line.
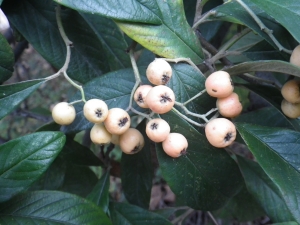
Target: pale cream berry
160,99
229,106
99,134
159,72
140,95
132,141
117,121
157,130
291,110
295,56
219,84
115,139
95,110
220,132
291,91
175,145
63,113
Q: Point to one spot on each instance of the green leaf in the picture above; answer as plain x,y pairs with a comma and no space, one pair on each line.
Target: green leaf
77,154
238,208
78,180
186,82
53,178
92,53
53,208
100,193
232,11
148,11
7,59
273,97
112,40
13,94
276,66
264,191
205,178
265,117
166,212
264,51
275,150
159,26
126,214
25,159
286,223
173,38
286,13
137,173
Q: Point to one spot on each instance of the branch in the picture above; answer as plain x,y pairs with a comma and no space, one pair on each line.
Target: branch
263,27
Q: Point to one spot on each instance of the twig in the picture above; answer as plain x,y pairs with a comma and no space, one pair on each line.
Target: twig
203,18
194,97
136,76
228,44
262,80
188,119
28,114
182,217
68,44
199,8
263,27
210,48
212,218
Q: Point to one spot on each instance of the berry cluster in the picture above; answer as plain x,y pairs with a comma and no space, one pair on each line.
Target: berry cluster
109,125
160,99
290,91
221,132
290,105
113,125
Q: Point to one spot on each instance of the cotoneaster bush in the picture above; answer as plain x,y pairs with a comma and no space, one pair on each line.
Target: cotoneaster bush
193,99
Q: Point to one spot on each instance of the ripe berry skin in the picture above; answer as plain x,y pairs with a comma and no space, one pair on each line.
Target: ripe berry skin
291,110
157,130
132,141
175,145
219,84
291,91
160,99
220,132
115,139
229,106
95,110
295,56
159,72
63,113
99,134
117,121
140,95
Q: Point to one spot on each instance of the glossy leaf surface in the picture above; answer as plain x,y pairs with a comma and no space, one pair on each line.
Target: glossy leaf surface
7,59
276,152
264,191
265,65
286,13
100,193
137,173
232,11
206,177
159,26
93,51
53,208
13,94
25,159
126,214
